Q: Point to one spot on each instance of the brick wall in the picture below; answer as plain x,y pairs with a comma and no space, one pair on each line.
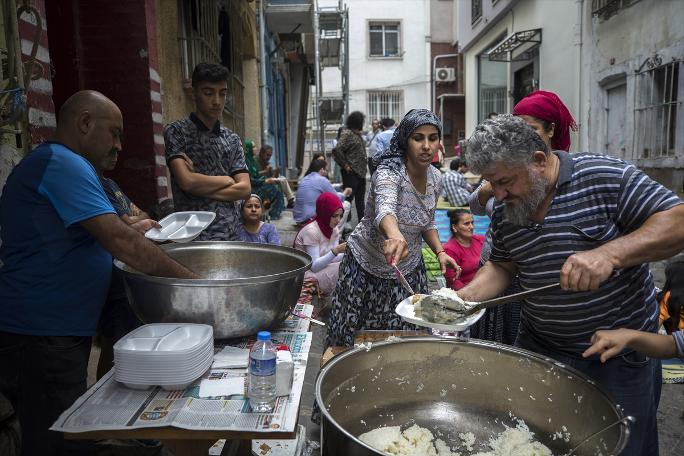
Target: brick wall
111,47
41,109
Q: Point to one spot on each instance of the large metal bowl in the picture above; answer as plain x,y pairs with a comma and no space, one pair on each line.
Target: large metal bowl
452,387
248,287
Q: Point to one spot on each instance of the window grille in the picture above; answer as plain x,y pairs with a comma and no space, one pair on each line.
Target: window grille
475,10
604,9
384,39
656,112
386,104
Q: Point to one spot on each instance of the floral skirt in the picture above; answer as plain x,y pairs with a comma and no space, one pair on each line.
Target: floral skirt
272,198
363,301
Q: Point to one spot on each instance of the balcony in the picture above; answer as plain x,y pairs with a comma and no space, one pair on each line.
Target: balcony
289,16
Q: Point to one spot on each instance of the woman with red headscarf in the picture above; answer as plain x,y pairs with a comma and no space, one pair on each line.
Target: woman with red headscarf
320,239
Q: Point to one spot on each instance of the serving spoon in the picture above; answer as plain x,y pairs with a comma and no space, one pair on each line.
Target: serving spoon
475,306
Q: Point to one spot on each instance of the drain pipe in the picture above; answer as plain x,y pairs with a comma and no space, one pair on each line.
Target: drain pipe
432,76
262,71
579,44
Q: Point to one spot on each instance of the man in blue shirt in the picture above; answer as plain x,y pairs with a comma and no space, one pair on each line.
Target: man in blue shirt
382,141
59,232
311,187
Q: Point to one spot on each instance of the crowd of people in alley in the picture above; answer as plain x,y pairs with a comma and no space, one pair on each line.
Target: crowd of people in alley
587,221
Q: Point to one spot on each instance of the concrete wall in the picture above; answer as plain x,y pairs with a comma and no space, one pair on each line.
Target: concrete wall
252,94
441,21
559,53
612,50
176,101
468,32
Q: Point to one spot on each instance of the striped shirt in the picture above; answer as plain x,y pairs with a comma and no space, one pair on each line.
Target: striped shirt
456,189
597,199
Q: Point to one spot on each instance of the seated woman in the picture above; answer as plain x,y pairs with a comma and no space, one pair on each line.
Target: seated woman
464,247
320,239
253,228
266,187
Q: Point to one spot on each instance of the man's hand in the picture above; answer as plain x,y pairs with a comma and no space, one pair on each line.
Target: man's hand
347,168
585,270
145,225
445,261
347,191
270,180
609,343
395,249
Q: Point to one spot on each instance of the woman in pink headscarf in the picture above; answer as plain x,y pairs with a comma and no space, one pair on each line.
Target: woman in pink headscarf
321,240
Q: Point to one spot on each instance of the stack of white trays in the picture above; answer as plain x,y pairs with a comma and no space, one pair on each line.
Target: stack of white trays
172,355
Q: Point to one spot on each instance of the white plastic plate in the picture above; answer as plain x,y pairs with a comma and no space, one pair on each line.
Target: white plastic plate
406,311
181,226
169,338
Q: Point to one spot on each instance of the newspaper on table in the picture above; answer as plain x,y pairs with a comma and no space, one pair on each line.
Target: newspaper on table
108,405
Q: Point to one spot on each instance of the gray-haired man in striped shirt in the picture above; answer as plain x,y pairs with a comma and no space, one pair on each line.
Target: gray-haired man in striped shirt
593,223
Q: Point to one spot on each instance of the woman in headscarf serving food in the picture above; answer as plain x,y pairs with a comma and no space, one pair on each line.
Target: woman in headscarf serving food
399,215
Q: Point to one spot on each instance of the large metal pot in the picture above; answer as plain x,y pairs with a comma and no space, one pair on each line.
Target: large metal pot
248,287
452,387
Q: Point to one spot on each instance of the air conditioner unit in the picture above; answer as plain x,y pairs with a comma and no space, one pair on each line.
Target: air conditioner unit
445,74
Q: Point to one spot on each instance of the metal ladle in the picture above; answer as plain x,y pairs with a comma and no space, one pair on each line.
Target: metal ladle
474,306
622,420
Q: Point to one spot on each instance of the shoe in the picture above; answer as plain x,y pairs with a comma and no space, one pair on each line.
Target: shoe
290,203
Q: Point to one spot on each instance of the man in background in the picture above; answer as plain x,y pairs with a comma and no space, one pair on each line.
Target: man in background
265,169
456,189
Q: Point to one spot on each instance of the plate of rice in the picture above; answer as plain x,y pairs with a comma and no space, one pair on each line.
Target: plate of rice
413,310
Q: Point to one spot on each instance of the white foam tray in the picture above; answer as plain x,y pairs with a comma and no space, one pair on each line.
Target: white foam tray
181,226
165,339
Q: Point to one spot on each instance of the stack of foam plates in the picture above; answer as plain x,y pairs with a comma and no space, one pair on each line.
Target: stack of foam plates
171,355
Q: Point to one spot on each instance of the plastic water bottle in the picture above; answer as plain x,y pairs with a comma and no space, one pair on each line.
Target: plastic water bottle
262,374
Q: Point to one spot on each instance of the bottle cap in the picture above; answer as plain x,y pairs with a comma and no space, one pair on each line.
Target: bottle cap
264,335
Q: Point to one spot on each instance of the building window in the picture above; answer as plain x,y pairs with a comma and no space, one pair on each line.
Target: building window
492,86
384,39
656,112
475,10
386,104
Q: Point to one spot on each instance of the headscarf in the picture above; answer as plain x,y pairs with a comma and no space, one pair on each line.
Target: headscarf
253,195
326,205
547,106
393,156
249,158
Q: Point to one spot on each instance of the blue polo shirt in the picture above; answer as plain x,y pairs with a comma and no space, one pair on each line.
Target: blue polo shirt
54,275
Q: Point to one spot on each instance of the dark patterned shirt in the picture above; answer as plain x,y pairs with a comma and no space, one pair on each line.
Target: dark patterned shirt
121,202
215,152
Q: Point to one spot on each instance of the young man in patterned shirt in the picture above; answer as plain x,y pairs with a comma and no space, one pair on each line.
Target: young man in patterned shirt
206,159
